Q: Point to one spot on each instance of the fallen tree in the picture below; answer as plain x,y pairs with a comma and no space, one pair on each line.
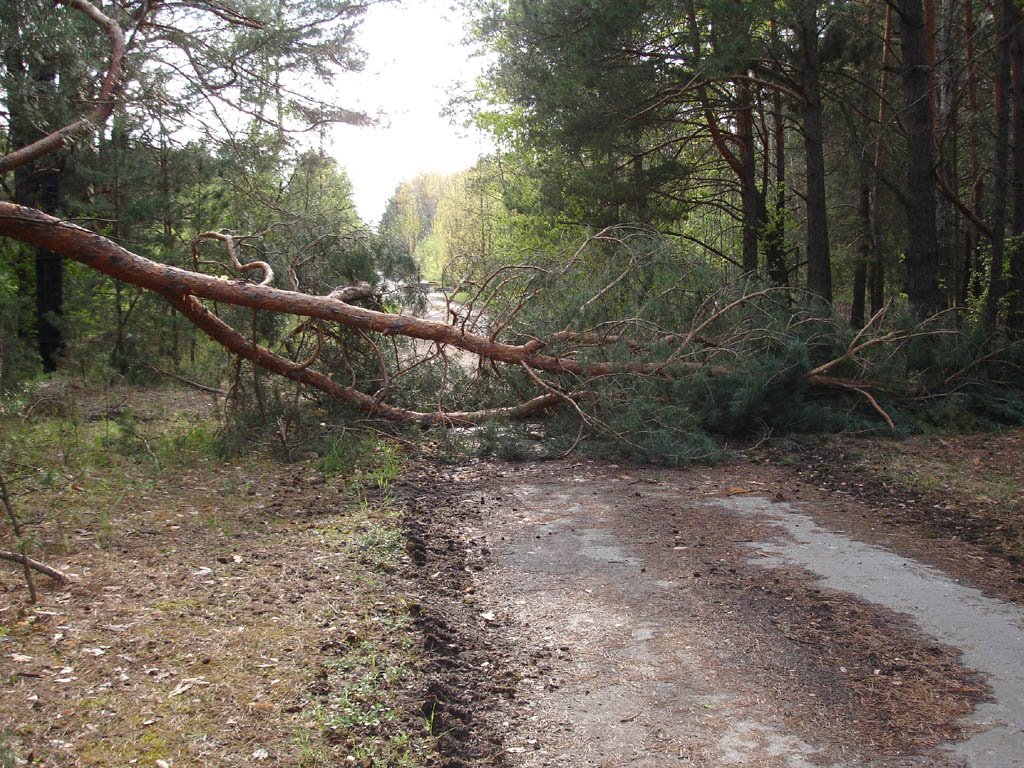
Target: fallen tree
568,363
184,289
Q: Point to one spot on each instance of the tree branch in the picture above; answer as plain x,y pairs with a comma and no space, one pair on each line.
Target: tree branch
105,103
97,252
14,557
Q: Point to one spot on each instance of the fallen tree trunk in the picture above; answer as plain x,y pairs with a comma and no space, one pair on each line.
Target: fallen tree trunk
235,342
183,288
97,252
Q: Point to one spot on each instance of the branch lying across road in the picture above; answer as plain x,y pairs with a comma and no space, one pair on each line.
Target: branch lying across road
184,289
86,247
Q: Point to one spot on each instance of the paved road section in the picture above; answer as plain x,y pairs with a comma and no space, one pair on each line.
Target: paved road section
990,633
664,621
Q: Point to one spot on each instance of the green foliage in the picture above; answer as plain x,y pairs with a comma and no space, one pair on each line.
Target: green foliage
740,359
361,456
138,183
18,360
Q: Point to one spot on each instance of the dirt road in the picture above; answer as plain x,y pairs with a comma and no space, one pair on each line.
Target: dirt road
613,616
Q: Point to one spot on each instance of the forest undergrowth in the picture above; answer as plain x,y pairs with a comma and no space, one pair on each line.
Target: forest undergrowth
224,607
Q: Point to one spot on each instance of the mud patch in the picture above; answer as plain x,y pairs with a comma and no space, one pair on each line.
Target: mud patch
466,680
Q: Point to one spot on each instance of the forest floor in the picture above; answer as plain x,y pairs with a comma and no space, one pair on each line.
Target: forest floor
387,609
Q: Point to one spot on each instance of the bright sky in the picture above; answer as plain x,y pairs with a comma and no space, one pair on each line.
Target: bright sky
415,56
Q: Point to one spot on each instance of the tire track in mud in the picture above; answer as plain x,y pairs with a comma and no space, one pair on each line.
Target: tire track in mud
609,617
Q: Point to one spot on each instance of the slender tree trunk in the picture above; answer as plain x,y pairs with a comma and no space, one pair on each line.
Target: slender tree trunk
876,267
945,77
753,204
971,273
37,184
860,269
119,357
1015,320
19,134
819,266
49,279
742,163
922,245
1001,93
775,247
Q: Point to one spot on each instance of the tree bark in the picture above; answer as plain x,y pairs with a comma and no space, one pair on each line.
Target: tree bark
1000,183
775,244
944,85
1015,318
751,197
922,244
970,277
860,269
819,267
876,267
49,281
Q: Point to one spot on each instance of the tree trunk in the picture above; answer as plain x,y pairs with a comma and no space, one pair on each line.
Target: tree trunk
970,269
922,245
753,204
860,269
944,86
39,187
1000,182
876,267
775,245
49,275
819,267
1015,320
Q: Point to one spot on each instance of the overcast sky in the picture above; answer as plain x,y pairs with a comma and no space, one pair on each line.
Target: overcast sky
415,55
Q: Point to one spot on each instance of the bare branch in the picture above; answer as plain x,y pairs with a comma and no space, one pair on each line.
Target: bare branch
859,388
14,557
16,527
229,242
189,382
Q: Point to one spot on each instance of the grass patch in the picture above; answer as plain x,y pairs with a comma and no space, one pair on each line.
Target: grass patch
7,759
230,609
362,684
